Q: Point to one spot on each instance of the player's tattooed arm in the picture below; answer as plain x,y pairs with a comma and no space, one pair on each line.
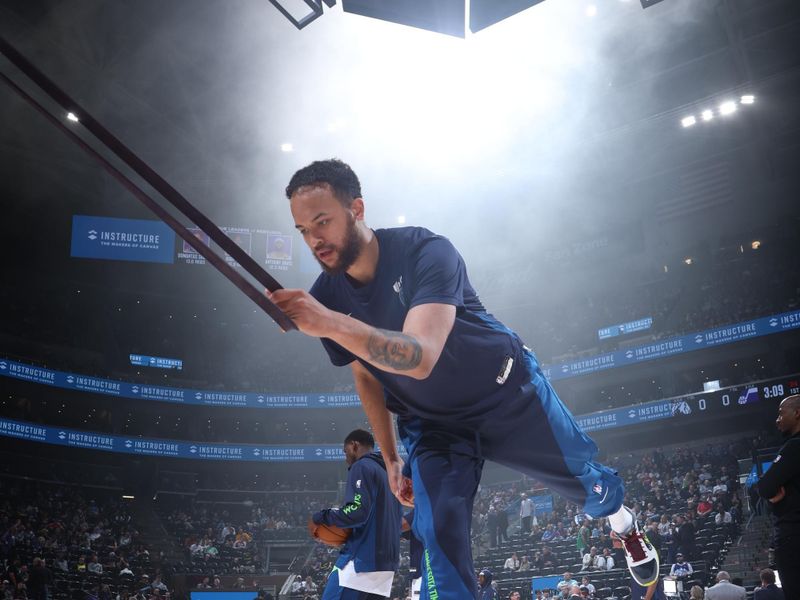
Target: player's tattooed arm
394,349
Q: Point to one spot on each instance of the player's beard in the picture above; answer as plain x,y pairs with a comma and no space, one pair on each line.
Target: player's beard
348,252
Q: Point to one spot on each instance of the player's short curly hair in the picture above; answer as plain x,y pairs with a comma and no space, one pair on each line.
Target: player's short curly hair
361,436
333,172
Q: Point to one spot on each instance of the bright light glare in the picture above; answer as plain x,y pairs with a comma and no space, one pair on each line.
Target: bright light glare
401,220
748,99
688,121
727,108
336,125
72,117
591,10
707,115
755,245
688,260
452,100
287,147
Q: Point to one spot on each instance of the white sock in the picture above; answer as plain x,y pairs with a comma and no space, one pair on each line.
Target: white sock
621,521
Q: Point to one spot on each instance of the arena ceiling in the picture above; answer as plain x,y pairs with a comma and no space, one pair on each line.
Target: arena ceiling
558,125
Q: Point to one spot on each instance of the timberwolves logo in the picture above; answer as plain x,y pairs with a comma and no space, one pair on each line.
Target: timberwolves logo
698,339
135,389
92,234
773,322
128,444
62,435
680,406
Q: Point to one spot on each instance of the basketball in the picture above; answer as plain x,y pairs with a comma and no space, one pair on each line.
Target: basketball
330,535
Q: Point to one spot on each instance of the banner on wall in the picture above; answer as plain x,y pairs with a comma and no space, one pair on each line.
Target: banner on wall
156,362
683,407
122,239
543,504
625,328
663,348
274,249
675,345
74,438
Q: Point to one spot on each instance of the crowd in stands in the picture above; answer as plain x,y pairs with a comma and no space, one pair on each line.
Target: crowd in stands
226,539
83,543
78,543
687,499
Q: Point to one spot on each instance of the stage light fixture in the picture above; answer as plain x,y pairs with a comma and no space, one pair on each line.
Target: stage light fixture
441,16
727,108
707,115
302,21
748,99
72,117
688,121
483,13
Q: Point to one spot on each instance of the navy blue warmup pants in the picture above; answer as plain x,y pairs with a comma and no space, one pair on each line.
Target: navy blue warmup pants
533,433
333,591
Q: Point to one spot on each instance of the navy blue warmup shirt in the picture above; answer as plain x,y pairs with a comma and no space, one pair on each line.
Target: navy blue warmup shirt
373,513
416,266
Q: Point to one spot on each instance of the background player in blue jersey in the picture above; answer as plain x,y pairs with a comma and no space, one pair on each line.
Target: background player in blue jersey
370,556
397,306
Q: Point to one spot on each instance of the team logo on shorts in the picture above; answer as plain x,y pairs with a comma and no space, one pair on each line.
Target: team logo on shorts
598,488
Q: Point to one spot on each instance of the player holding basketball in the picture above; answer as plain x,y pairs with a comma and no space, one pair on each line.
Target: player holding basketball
397,306
370,556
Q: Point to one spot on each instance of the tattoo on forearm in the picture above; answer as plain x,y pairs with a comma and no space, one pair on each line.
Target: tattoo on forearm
396,350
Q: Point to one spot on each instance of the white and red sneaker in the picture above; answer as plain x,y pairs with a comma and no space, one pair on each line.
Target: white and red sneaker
641,556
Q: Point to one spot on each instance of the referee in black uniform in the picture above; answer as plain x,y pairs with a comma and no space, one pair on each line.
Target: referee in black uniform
780,485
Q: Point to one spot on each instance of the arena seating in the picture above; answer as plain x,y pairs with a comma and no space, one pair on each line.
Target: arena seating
74,530
665,483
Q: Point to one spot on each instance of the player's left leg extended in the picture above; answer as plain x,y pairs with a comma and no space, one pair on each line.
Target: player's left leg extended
536,434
